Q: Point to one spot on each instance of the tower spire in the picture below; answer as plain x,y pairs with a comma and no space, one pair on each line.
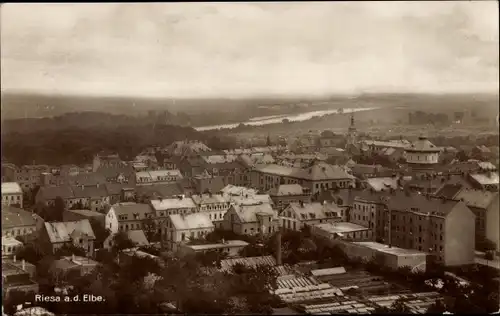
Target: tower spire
352,118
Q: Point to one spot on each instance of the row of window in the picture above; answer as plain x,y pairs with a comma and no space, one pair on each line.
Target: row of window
18,232
11,197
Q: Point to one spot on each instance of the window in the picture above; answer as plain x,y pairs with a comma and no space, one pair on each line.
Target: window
183,236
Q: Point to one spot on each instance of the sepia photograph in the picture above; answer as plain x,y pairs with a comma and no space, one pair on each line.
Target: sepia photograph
239,158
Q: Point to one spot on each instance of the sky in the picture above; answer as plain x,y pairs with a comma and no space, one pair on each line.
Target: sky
250,49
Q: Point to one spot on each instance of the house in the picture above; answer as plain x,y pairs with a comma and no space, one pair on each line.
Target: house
76,215
393,155
233,190
78,233
188,148
251,219
384,183
336,231
299,215
120,192
12,194
206,182
285,194
180,228
15,278
10,246
20,223
106,160
163,208
128,216
230,248
444,228
157,177
95,198
363,171
29,176
319,176
157,191
484,204
481,152
215,205
119,174
343,198
74,265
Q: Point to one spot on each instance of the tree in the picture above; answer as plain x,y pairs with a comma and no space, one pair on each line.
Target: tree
15,298
121,241
70,249
30,252
151,229
101,233
436,308
400,307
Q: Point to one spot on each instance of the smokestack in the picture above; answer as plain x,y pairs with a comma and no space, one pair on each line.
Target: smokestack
278,248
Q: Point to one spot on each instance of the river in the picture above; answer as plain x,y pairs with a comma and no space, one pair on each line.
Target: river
272,119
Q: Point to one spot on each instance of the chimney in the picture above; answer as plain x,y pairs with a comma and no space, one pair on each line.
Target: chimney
223,241
73,257
14,258
23,265
97,184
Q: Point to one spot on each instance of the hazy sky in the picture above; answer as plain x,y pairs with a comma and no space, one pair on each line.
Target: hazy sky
242,49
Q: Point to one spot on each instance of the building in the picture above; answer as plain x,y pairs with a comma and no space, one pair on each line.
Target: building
119,174
215,205
106,160
95,198
163,208
188,148
384,183
138,237
76,215
157,191
180,228
484,204
251,219
12,194
206,182
29,176
10,246
233,190
485,181
444,228
299,215
74,265
352,135
318,177
15,278
377,145
128,216
57,234
157,177
285,194
20,223
8,172
392,257
335,231
422,155
230,248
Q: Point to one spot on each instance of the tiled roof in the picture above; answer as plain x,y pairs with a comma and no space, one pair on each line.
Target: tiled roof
420,203
237,190
155,174
113,172
424,145
476,198
11,188
116,188
51,192
87,213
219,159
138,237
340,227
64,231
314,210
166,190
251,199
449,190
324,171
227,264
385,183
287,190
90,191
191,221
168,204
486,179
248,213
200,199
87,179
130,208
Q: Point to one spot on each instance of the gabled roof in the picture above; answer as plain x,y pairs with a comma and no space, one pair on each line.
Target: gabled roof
166,190
51,192
287,190
315,210
476,198
422,145
486,179
138,237
89,191
237,190
16,217
324,171
87,179
63,231
420,204
249,213
168,204
191,221
130,208
449,190
11,188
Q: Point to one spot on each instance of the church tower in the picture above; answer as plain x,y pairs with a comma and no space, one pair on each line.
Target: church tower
351,134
